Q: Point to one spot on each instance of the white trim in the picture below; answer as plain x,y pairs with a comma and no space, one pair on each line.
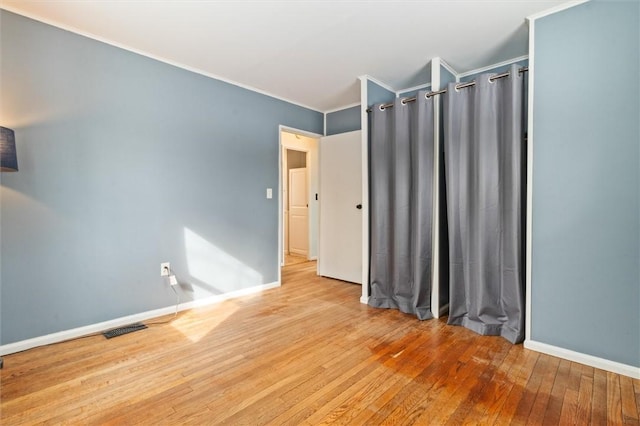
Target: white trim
529,213
73,333
435,234
493,66
410,89
354,104
280,226
283,128
152,56
313,258
555,9
378,82
590,360
448,67
364,298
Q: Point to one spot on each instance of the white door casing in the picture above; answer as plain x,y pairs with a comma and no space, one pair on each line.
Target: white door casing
298,212
340,237
285,200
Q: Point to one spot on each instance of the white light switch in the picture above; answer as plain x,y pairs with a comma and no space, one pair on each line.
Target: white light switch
269,193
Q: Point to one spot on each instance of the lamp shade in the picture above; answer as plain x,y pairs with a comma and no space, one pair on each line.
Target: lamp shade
8,157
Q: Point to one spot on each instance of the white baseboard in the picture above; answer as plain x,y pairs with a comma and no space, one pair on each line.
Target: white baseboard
590,360
364,300
61,336
313,258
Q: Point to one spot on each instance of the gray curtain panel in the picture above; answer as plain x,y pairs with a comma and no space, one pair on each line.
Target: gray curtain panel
400,188
484,164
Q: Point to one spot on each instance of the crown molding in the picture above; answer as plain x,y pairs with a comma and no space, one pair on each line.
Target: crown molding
448,67
351,105
555,9
411,89
379,83
493,66
152,56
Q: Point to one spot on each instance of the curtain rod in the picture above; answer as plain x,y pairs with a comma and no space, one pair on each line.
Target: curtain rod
458,86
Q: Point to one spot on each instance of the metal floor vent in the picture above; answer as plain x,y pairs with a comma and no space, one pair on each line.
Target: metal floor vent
124,330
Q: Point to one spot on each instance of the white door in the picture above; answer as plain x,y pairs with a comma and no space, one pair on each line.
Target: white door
340,240
298,212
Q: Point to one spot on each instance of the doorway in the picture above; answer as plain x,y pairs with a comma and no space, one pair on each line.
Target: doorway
298,196
296,207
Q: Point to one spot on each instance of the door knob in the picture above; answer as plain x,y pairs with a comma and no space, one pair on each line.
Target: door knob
359,206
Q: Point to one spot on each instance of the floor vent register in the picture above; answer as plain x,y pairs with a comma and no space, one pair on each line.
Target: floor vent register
124,330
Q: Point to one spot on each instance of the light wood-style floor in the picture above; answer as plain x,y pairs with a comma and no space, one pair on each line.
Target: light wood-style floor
293,259
306,353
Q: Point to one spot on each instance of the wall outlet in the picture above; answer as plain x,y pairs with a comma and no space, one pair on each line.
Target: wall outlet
165,269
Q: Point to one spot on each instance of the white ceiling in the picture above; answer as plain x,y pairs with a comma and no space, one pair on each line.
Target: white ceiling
308,52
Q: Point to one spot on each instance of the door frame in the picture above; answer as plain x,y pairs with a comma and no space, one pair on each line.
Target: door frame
281,148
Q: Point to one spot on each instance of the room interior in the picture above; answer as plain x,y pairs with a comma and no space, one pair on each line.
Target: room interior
135,148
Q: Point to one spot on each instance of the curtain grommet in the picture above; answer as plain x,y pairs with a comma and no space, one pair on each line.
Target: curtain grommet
381,107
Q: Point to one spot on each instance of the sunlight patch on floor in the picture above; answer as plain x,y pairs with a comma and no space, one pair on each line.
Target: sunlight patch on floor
194,329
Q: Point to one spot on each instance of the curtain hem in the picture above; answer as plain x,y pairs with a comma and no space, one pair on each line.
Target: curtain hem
502,330
423,313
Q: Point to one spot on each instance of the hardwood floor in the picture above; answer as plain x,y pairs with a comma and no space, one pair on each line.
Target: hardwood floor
293,259
307,353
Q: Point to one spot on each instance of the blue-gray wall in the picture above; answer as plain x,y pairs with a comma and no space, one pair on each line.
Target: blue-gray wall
126,162
344,120
497,70
413,92
377,94
446,77
586,181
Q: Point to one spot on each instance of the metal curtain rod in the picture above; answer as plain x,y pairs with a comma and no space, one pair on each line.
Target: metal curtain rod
458,86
